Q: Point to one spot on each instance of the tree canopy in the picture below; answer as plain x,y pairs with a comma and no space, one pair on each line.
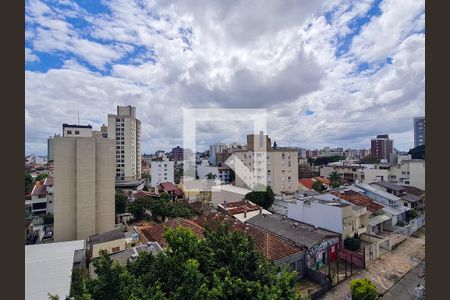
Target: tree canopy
223,265
121,202
41,177
161,208
417,152
261,198
363,289
335,179
318,186
28,182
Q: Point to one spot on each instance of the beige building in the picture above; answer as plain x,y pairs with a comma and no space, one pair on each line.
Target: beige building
111,242
83,186
280,165
125,129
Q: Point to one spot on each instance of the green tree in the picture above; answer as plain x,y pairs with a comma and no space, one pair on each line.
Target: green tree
180,209
138,207
78,287
318,186
41,177
223,265
363,289
48,218
262,198
369,159
28,182
335,179
121,202
417,152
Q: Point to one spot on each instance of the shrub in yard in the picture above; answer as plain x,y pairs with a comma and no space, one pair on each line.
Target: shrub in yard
353,243
363,289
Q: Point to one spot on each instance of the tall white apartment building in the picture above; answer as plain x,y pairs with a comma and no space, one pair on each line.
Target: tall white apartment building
162,170
83,184
125,129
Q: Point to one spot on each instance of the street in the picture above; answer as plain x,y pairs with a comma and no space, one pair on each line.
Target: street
404,289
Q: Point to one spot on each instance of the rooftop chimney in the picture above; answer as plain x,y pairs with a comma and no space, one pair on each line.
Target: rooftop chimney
260,210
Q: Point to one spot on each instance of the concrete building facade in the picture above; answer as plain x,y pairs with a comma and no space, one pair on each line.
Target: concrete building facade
382,147
83,187
125,129
419,131
161,171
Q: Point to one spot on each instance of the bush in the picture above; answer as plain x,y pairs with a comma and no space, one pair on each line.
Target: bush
363,289
353,243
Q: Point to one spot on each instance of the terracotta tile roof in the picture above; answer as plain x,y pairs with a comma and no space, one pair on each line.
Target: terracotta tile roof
39,190
155,233
239,207
48,181
168,186
306,182
323,180
271,245
359,199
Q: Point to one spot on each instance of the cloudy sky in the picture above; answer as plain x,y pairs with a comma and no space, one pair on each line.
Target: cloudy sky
329,73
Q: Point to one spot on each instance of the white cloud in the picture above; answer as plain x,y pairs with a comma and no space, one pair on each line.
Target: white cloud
30,56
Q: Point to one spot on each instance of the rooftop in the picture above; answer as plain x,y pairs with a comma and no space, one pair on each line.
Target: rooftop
112,235
306,182
39,190
358,199
413,190
389,185
300,233
232,189
48,269
410,197
155,233
76,126
168,186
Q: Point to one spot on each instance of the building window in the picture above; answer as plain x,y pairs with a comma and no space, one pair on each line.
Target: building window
77,132
103,252
69,131
115,249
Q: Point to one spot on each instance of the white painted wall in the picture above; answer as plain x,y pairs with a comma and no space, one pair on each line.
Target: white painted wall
162,171
317,214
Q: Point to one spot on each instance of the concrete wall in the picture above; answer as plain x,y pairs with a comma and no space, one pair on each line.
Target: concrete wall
320,215
108,246
157,172
83,187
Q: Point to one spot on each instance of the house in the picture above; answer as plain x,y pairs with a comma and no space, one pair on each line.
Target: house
197,190
330,213
242,210
42,197
171,189
413,201
305,184
392,205
279,250
155,233
227,194
48,268
111,242
323,180
321,245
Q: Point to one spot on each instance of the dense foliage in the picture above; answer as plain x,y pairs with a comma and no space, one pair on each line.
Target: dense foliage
363,289
318,186
224,265
324,160
48,218
353,243
369,159
417,152
28,183
262,198
335,179
121,202
160,208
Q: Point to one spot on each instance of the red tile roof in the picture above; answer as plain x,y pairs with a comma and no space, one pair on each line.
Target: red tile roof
155,233
39,190
48,181
168,186
359,199
271,245
142,194
239,207
306,182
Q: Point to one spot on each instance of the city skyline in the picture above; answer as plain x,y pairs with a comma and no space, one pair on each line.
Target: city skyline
327,72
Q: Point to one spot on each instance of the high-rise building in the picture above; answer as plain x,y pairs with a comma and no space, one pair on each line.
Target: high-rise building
83,184
126,130
382,147
419,131
281,164
162,170
178,153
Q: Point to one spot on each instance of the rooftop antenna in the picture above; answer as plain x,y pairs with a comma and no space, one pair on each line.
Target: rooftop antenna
78,117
